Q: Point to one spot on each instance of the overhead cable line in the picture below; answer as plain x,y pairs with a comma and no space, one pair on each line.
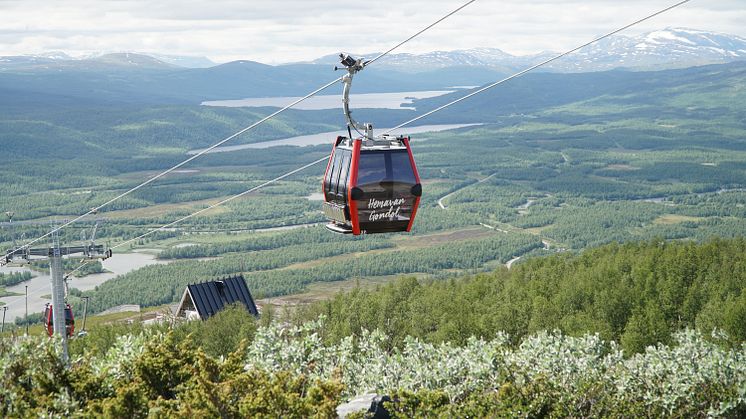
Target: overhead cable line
218,144
397,127
254,189
533,67
217,204
164,173
383,54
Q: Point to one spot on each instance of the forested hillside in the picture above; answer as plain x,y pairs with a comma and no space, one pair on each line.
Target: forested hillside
119,82
638,294
160,284
607,157
628,321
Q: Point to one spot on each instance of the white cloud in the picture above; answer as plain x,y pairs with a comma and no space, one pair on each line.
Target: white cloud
292,30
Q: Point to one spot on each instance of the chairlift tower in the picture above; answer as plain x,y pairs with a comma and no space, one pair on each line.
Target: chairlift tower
54,254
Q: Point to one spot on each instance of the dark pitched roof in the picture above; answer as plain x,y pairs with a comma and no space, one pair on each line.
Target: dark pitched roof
212,296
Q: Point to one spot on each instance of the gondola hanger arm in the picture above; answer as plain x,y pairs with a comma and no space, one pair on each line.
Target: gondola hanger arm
352,66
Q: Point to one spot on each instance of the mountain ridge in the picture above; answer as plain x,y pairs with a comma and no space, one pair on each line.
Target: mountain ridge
138,78
660,49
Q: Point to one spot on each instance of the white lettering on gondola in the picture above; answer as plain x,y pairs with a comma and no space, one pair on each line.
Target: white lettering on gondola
376,203
392,207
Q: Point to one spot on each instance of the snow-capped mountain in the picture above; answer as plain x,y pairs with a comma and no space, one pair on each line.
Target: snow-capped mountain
662,49
182,60
669,48
657,50
479,57
114,61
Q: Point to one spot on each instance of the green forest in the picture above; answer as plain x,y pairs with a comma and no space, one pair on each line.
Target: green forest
625,160
14,278
161,284
638,294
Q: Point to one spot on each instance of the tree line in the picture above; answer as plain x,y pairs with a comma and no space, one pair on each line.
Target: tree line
638,294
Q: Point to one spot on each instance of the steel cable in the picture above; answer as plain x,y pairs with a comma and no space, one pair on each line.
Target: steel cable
218,144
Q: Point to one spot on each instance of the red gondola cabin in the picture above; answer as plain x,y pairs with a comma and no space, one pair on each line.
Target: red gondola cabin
371,186
69,320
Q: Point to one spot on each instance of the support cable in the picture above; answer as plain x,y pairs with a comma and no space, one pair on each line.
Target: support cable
392,129
217,204
543,63
400,125
207,150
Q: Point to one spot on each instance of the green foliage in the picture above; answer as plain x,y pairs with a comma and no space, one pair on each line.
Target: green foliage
101,338
292,373
217,336
33,318
222,333
636,293
14,278
5,293
545,374
159,376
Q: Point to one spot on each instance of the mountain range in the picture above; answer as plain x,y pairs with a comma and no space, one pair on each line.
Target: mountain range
55,77
662,49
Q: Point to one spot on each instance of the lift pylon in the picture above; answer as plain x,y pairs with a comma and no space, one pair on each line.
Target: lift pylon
54,253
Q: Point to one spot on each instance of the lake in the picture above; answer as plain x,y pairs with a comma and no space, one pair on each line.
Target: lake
397,100
328,138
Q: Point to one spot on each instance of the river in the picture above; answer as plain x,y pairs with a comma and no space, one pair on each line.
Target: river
40,285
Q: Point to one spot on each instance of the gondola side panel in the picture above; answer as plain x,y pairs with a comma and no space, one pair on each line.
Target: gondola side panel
418,182
354,165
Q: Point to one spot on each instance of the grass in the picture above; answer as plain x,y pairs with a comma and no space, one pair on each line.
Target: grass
166,209
6,293
670,219
537,230
450,236
324,290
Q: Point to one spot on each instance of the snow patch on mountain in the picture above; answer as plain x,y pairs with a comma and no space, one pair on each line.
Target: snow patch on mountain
660,49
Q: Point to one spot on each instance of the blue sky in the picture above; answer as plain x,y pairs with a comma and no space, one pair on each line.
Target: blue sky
295,30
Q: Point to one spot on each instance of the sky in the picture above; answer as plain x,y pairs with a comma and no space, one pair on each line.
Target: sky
281,31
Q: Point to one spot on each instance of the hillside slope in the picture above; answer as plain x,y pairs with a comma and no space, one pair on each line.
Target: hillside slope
638,294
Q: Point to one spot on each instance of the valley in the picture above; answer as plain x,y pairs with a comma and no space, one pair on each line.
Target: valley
564,174
578,249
